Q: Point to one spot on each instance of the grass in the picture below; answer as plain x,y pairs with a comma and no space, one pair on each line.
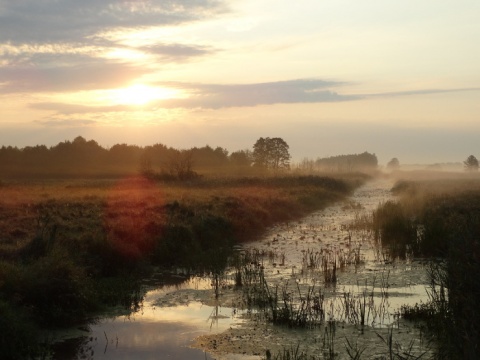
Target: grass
70,248
440,221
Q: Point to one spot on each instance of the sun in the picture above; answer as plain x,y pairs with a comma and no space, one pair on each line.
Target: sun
140,94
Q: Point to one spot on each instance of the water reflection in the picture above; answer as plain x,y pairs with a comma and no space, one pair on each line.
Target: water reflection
154,332
129,339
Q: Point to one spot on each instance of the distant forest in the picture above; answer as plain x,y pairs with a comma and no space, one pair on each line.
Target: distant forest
82,158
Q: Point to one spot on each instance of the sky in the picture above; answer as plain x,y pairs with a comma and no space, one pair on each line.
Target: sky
398,78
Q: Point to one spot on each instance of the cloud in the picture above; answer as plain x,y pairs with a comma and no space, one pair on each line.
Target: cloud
40,21
67,109
61,45
87,76
178,51
65,123
215,96
421,92
66,67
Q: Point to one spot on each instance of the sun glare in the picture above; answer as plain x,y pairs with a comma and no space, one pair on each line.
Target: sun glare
140,94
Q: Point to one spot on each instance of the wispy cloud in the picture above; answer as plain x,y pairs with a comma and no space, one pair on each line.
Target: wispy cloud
40,21
178,51
89,75
215,96
232,95
65,123
62,45
35,68
421,92
68,109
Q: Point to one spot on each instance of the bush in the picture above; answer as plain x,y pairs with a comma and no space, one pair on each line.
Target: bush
56,290
176,246
18,335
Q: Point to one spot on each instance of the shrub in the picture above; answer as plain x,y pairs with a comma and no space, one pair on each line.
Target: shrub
18,335
57,290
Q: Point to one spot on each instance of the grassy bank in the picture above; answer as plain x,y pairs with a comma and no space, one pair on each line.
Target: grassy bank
68,249
440,220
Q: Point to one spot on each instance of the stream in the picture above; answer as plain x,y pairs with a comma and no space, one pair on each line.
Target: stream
185,321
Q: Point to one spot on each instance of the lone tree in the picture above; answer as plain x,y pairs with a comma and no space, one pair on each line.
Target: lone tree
180,165
393,164
471,164
271,153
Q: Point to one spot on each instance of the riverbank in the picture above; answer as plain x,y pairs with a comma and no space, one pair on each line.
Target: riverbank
70,249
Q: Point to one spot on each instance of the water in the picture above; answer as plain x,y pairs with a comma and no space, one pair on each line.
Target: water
172,319
163,328
384,284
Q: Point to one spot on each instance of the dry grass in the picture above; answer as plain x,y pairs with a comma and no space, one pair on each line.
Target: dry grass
136,206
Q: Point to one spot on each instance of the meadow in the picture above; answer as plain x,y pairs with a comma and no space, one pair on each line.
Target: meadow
70,249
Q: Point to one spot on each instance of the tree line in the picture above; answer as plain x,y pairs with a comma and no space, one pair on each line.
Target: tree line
82,157
347,163
86,158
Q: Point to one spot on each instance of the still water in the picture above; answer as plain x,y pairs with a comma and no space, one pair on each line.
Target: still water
163,328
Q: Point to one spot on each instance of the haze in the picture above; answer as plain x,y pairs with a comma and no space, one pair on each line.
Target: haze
398,78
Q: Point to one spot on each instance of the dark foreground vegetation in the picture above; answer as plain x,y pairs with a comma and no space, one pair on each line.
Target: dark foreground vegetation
72,248
440,220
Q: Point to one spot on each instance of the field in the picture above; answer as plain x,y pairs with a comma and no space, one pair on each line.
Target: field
70,249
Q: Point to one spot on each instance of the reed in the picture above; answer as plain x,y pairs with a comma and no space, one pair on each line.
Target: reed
440,221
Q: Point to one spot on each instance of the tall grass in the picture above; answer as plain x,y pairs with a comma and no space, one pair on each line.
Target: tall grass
70,248
444,227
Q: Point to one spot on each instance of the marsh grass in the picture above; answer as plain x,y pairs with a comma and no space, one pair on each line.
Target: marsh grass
288,303
440,220
292,353
397,351
70,248
354,351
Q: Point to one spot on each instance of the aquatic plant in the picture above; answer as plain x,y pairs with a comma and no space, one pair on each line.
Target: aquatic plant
291,353
444,227
354,351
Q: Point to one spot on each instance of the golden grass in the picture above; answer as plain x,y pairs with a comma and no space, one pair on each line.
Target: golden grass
136,207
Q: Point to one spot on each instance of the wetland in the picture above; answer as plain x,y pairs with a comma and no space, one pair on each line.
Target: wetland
351,276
